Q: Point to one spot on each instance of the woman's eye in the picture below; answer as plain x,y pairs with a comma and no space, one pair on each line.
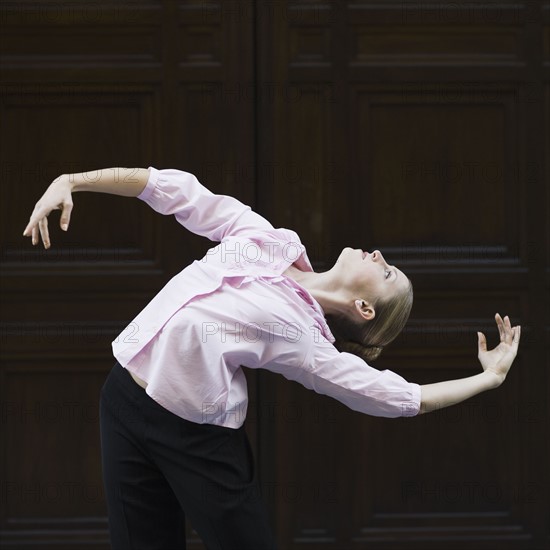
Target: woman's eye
388,273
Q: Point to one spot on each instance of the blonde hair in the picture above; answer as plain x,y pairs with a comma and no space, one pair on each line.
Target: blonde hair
369,338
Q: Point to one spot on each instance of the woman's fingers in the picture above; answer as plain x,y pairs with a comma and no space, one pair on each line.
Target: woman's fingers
58,196
481,342
32,227
44,233
32,224
504,329
508,331
500,326
34,234
31,231
38,223
28,230
517,336
66,215
508,334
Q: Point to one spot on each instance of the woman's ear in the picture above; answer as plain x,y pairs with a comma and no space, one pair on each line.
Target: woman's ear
365,309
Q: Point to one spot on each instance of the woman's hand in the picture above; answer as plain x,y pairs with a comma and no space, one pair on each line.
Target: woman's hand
496,364
499,360
58,196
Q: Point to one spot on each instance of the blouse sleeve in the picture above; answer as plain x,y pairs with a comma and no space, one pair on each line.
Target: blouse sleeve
176,192
350,380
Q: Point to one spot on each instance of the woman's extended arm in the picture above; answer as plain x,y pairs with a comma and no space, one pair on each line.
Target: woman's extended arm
168,192
126,182
496,363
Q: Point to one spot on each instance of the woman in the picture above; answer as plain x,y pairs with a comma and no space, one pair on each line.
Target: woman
173,407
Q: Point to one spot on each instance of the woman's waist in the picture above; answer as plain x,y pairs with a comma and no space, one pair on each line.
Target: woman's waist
138,380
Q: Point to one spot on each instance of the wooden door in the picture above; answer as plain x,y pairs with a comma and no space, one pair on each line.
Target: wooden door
421,130
88,86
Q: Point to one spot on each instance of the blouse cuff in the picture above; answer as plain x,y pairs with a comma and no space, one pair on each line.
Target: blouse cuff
151,184
412,408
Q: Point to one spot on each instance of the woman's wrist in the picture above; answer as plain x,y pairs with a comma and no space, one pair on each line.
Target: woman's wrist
65,179
494,379
450,392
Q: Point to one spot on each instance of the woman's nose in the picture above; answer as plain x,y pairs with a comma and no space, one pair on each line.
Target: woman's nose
377,256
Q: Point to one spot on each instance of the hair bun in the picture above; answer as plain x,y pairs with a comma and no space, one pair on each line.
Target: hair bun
367,353
371,353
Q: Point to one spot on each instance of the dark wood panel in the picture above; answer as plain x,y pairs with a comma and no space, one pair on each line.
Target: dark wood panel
52,490
117,97
51,14
111,47
38,34
441,45
45,408
304,193
447,12
436,161
437,158
69,125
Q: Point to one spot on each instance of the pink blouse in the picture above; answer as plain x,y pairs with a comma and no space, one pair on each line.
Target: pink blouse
235,308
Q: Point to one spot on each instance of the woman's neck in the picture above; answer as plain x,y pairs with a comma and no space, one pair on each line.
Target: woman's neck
321,287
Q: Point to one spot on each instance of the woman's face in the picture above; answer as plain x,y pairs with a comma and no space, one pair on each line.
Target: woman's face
367,275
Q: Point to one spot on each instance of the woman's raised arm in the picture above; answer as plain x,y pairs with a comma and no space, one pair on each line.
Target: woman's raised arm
496,363
126,182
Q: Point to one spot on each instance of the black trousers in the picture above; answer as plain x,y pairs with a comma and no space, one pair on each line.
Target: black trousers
159,468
